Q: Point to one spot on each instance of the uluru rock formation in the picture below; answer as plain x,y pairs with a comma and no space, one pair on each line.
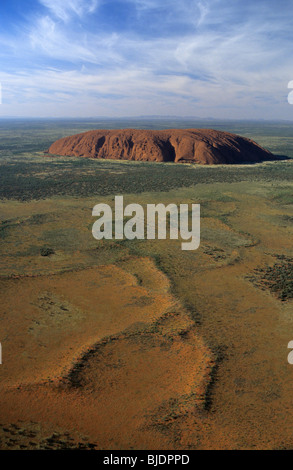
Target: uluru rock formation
203,146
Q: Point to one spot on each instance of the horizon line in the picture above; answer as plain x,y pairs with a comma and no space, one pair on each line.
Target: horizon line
146,117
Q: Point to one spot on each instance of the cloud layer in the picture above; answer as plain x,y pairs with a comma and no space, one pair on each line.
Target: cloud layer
219,58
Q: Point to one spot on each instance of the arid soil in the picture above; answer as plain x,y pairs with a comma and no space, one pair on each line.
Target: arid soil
202,146
107,365
138,344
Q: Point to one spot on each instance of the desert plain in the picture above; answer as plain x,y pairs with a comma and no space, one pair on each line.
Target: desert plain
138,344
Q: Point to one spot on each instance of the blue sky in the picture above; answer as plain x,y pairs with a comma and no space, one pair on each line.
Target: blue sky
206,58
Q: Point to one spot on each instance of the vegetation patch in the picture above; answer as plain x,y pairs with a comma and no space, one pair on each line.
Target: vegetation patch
30,436
278,278
47,251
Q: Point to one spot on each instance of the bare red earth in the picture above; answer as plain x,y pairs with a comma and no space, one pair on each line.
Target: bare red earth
204,146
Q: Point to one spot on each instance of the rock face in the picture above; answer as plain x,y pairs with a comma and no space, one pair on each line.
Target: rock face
203,146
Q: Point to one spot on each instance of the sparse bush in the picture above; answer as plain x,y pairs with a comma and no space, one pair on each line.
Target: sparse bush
278,278
47,251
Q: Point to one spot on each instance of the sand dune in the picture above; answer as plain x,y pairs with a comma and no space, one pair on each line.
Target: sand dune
117,368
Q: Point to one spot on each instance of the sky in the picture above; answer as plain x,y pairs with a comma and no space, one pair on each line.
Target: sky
229,59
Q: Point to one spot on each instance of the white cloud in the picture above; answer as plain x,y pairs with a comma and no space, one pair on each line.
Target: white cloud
204,10
191,12
45,36
64,9
50,38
